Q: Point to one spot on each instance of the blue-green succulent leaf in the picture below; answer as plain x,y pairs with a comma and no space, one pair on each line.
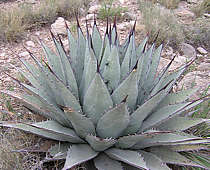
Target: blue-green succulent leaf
106,54
54,62
97,42
153,162
97,99
40,103
128,88
40,78
81,124
132,158
141,46
143,111
146,65
78,154
88,75
113,122
132,51
72,46
166,78
164,138
162,114
179,123
111,73
99,144
77,61
178,97
47,129
125,66
103,162
153,68
126,142
171,157
167,112
69,78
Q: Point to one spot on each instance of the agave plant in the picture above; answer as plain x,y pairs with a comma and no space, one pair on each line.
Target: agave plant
106,103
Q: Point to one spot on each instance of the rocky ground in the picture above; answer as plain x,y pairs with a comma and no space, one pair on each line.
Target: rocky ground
198,75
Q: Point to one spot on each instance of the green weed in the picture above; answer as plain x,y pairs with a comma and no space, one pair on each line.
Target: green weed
108,11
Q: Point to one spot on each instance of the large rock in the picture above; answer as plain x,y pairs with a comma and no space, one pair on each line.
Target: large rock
30,43
187,50
206,15
58,27
202,50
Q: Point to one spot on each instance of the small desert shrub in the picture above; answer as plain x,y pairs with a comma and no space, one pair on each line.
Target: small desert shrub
109,11
15,21
198,33
11,141
158,19
11,24
170,4
48,10
202,8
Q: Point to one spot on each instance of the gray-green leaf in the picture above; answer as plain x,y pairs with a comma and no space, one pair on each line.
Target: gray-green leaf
130,157
103,162
128,88
78,154
51,130
99,144
111,73
171,157
113,122
82,125
97,99
153,162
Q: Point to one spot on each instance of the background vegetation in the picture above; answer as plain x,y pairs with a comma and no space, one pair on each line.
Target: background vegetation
16,20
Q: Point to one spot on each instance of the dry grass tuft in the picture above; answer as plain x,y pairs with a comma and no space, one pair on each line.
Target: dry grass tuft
170,4
198,33
201,8
11,24
15,21
12,140
159,19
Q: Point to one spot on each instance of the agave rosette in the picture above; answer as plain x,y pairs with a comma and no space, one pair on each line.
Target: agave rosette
106,102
